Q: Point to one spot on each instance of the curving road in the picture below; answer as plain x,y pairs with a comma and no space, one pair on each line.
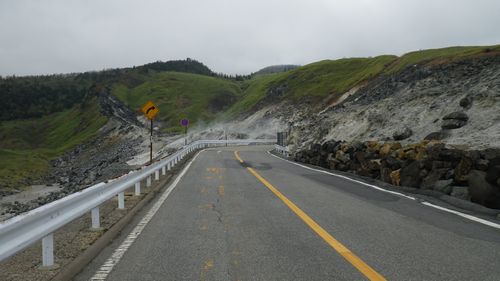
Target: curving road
252,216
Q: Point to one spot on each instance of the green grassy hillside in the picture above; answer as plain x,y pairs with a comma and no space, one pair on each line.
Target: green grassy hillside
27,145
316,80
331,78
442,55
181,95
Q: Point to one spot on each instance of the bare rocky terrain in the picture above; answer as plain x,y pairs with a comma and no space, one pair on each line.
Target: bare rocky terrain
431,127
105,157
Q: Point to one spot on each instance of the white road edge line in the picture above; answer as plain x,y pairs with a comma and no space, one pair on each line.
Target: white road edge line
347,178
467,216
472,218
109,264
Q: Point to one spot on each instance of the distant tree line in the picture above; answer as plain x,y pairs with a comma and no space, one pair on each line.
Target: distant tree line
36,96
188,65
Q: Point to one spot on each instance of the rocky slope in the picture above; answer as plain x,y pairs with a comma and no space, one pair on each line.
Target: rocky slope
457,103
101,158
430,126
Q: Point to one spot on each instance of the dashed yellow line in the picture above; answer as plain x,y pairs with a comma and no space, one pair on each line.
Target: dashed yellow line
354,260
221,191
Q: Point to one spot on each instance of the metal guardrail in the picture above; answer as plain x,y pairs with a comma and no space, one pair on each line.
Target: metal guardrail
26,229
282,149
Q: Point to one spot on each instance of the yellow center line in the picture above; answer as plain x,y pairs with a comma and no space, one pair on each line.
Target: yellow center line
237,155
359,264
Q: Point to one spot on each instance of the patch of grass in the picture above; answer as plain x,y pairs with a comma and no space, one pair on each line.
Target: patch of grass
181,95
316,80
18,165
335,77
327,77
27,146
442,55
255,91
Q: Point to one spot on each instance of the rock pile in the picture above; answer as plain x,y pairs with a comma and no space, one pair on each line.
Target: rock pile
470,175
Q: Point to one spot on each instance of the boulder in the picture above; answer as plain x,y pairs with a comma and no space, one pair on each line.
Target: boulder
315,160
402,134
430,180
388,147
452,124
333,163
316,148
395,177
443,186
391,162
466,102
457,115
454,120
435,136
491,154
451,154
358,146
373,145
385,174
342,167
410,175
332,146
481,191
361,157
460,192
481,164
342,156
433,151
493,174
462,169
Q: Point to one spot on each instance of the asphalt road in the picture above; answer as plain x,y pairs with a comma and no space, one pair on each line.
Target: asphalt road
267,219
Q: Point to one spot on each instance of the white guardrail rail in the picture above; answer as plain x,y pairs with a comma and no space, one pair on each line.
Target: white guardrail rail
282,149
26,229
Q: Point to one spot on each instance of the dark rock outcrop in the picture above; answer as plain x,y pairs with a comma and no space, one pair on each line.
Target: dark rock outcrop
435,136
468,175
402,134
466,102
481,191
454,120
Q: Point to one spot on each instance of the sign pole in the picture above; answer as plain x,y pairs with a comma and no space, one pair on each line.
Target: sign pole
150,110
151,144
185,124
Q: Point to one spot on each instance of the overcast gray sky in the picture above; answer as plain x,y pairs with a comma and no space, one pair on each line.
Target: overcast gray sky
230,36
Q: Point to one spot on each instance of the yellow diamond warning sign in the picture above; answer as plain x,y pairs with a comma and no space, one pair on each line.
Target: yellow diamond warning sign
150,110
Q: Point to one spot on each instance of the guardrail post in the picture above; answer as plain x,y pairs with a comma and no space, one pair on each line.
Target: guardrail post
48,250
138,188
148,181
157,175
121,200
163,170
96,220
